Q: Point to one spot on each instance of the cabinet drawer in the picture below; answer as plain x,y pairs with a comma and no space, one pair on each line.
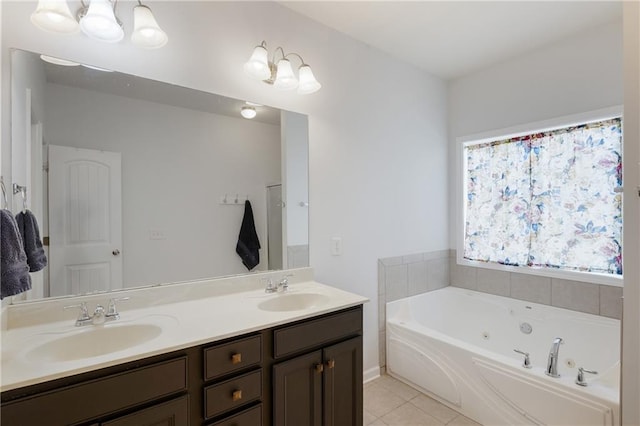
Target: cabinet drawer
250,417
99,397
314,333
174,412
234,356
232,393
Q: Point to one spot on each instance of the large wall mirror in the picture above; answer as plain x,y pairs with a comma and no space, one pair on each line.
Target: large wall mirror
137,182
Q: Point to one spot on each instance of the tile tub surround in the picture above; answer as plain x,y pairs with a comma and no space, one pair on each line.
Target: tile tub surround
404,276
574,295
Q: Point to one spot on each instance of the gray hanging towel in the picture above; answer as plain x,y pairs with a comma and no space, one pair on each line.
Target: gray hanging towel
28,227
248,244
14,274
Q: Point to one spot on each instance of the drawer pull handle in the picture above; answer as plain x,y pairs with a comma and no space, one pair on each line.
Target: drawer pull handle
331,363
236,395
236,359
319,368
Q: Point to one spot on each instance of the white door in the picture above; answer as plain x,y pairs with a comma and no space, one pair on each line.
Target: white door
85,220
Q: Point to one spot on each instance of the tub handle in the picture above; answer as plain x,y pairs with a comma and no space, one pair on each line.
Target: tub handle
527,362
580,379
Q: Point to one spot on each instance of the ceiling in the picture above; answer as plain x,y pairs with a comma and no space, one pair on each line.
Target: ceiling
450,39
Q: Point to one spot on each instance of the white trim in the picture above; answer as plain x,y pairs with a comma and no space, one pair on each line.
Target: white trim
511,132
371,374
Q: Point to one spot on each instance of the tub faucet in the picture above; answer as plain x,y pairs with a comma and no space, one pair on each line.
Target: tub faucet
552,363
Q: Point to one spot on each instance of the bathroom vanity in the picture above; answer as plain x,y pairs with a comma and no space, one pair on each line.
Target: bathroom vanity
301,366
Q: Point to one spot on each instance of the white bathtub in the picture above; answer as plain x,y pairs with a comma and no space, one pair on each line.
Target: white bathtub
457,346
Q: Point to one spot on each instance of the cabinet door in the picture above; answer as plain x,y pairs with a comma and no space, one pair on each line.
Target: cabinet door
343,383
171,413
297,392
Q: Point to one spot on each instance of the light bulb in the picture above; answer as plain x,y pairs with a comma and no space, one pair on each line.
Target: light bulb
100,22
258,65
248,112
285,79
54,16
146,31
308,83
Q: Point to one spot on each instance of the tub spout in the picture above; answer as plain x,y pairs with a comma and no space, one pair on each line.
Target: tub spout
552,363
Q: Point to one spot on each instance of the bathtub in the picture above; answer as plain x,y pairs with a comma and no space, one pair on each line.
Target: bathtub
458,346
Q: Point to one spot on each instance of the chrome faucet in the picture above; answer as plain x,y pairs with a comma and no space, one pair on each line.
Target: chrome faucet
99,315
283,285
552,363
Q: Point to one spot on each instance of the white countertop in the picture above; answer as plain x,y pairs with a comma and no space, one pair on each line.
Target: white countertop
184,323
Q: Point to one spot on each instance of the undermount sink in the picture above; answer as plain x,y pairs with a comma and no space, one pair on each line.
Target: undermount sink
293,302
94,341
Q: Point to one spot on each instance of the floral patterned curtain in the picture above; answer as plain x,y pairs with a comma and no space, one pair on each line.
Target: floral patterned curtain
547,199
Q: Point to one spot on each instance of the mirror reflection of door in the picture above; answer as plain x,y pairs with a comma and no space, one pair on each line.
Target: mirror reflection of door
274,226
85,220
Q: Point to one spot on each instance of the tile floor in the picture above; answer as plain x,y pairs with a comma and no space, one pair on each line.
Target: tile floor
388,401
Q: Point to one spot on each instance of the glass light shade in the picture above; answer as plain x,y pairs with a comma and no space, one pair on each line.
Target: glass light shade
54,16
248,112
58,61
285,79
100,22
146,31
258,65
308,83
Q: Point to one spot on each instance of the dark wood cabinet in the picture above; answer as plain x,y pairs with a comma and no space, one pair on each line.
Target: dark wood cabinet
320,388
297,391
305,373
171,413
342,386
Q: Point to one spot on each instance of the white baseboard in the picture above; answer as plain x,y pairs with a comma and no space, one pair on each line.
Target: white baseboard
371,374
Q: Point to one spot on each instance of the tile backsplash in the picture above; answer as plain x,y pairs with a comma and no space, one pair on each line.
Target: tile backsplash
404,276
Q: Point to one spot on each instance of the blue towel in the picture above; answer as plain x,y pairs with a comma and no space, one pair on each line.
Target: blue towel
28,227
15,276
248,246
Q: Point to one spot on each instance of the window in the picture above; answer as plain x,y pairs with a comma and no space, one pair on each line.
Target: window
546,200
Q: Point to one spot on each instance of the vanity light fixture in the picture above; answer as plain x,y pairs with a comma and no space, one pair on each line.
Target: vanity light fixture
248,112
98,20
280,74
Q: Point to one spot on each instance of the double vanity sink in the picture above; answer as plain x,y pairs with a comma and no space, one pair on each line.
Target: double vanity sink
92,341
213,353
55,348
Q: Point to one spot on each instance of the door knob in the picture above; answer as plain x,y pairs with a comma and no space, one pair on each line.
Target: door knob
115,252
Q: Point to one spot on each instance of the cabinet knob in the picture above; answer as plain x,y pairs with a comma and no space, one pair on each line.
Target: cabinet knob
236,395
331,363
319,368
236,358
